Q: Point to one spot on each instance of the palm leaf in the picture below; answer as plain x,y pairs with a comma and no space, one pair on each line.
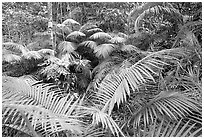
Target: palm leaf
157,10
47,52
90,44
100,36
116,87
66,47
75,35
169,104
32,54
15,48
44,105
11,58
103,50
70,21
118,40
178,129
87,26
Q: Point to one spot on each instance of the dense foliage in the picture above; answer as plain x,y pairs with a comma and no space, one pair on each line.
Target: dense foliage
112,69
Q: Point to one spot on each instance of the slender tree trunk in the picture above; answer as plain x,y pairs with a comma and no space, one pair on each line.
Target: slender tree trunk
50,24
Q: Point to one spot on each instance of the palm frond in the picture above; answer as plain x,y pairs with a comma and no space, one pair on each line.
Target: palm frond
46,52
169,104
100,36
70,21
11,58
75,35
63,29
44,105
178,129
103,50
87,26
157,10
116,87
118,40
91,31
66,47
15,48
99,117
91,44
32,54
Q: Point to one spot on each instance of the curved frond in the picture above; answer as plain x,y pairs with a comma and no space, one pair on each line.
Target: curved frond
66,47
100,35
75,34
70,21
168,104
91,31
87,26
129,48
44,105
11,58
90,44
15,48
47,52
158,10
116,87
118,40
103,50
178,129
32,54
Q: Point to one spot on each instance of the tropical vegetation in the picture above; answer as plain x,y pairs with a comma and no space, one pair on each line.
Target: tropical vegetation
128,69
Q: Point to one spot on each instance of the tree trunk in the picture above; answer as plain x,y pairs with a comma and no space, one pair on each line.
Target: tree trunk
50,24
